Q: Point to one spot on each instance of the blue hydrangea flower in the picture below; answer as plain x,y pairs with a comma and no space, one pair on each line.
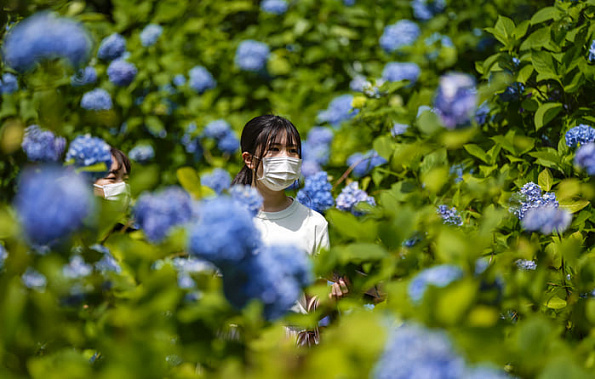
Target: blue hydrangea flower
84,76
46,36
216,129
585,158
513,92
359,83
438,276
457,170
97,100
224,233
112,47
547,219
316,193
319,135
277,7
338,110
42,146
201,79
398,129
121,73
229,144
157,213
425,10
309,168
318,153
185,282
252,55
9,84
52,203
450,216
364,163
581,134
219,179
403,33
150,34
179,80
275,275
531,197
397,71
592,51
142,153
351,196
34,280
3,256
526,265
247,196
190,265
108,264
482,113
456,99
77,268
413,351
192,144
88,151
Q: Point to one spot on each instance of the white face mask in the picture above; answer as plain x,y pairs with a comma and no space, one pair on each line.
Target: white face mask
115,191
279,173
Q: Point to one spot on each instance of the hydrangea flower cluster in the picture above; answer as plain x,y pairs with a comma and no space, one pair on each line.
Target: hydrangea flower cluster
425,10
513,92
121,73
87,151
526,265
97,100
532,198
316,193
192,144
34,280
52,203
585,158
581,134
338,110
150,34
592,51
179,80
42,146
252,55
111,47
84,76
364,163
482,113
107,263
547,219
456,99
9,84
450,216
397,71
46,36
247,196
277,7
274,275
398,129
218,180
221,131
3,256
315,150
351,196
438,276
402,33
77,268
157,213
201,79
358,83
142,153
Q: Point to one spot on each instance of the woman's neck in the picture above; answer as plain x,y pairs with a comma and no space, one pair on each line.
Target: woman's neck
273,201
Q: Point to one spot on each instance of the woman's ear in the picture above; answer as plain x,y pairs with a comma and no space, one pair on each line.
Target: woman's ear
247,157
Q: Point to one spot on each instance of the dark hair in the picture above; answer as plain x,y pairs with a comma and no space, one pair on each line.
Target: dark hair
258,136
121,158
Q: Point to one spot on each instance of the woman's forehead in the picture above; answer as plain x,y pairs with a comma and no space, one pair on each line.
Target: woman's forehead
282,139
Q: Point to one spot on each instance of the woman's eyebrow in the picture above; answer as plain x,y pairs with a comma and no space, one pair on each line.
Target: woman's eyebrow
280,144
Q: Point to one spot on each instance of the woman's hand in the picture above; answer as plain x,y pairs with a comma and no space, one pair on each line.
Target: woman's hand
339,288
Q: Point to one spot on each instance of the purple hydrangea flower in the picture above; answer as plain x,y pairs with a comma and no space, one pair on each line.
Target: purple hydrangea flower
157,213
201,79
252,55
456,100
52,203
364,163
351,196
438,276
450,216
581,134
150,34
142,153
585,158
112,47
97,100
531,198
547,219
277,7
42,146
218,180
9,84
84,76
316,193
121,73
247,196
339,110
87,151
402,33
397,71
45,36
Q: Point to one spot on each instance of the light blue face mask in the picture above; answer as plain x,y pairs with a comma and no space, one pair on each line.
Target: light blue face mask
279,173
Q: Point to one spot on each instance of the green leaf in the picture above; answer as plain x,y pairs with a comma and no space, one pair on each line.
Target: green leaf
574,206
385,146
544,14
556,303
546,113
545,180
477,152
543,62
525,73
359,252
190,180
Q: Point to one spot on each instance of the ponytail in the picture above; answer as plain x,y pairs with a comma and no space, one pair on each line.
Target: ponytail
243,177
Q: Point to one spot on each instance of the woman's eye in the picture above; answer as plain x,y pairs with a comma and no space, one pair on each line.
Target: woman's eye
274,149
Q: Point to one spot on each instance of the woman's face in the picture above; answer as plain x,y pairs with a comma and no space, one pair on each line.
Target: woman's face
115,175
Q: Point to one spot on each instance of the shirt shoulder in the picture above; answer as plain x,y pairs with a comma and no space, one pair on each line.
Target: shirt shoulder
312,216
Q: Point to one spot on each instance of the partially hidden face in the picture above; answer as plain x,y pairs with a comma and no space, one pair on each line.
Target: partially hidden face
113,186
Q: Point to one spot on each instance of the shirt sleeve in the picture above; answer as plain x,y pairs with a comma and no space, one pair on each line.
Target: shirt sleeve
322,238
